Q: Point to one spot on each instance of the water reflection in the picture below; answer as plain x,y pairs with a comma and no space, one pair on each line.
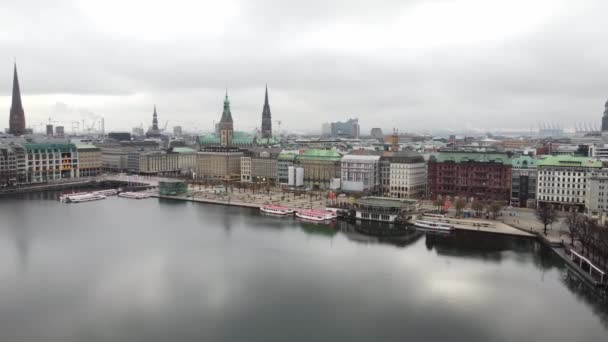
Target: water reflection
130,270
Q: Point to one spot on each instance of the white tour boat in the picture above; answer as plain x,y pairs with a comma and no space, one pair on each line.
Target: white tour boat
64,197
84,198
277,209
135,195
316,215
109,192
431,225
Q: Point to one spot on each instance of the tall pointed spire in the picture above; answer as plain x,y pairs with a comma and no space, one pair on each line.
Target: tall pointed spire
226,114
154,132
226,126
266,117
17,115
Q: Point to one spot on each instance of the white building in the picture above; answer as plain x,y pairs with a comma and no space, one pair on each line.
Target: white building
407,175
360,173
596,201
599,151
562,180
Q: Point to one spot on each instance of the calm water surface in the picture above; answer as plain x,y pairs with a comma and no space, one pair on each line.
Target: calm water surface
150,270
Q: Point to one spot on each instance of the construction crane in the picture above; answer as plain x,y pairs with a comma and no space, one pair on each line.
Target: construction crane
279,122
166,123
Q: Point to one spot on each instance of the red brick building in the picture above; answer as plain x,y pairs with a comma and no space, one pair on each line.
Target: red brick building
470,175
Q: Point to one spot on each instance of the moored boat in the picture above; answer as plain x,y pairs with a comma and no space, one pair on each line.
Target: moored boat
316,215
64,197
87,197
277,209
108,192
431,225
134,195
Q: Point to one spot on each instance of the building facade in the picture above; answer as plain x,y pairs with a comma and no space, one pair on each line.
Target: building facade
284,161
562,181
321,167
407,175
89,160
596,194
260,165
226,129
523,182
470,175
49,162
12,165
360,173
219,163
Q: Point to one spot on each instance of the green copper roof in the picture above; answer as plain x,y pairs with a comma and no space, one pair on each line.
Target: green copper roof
238,139
524,161
466,157
86,147
315,154
569,161
287,156
267,141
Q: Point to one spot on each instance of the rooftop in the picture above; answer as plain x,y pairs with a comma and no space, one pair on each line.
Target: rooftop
183,150
468,157
568,161
386,202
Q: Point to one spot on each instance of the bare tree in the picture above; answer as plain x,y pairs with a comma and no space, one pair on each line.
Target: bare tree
574,220
478,207
586,233
547,215
495,208
438,203
460,204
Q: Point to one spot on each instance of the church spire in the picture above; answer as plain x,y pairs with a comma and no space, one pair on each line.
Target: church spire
17,115
266,117
226,114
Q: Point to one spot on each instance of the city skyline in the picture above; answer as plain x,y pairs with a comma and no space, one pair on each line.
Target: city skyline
489,67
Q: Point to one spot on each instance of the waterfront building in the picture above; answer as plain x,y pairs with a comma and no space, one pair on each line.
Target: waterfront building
116,158
284,161
12,164
47,162
407,175
562,180
219,163
159,163
266,118
360,173
154,131
260,165
89,160
384,209
321,167
596,195
172,187
524,177
470,175
186,159
17,114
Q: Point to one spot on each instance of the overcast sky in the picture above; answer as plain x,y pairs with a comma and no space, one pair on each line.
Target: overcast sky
415,65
